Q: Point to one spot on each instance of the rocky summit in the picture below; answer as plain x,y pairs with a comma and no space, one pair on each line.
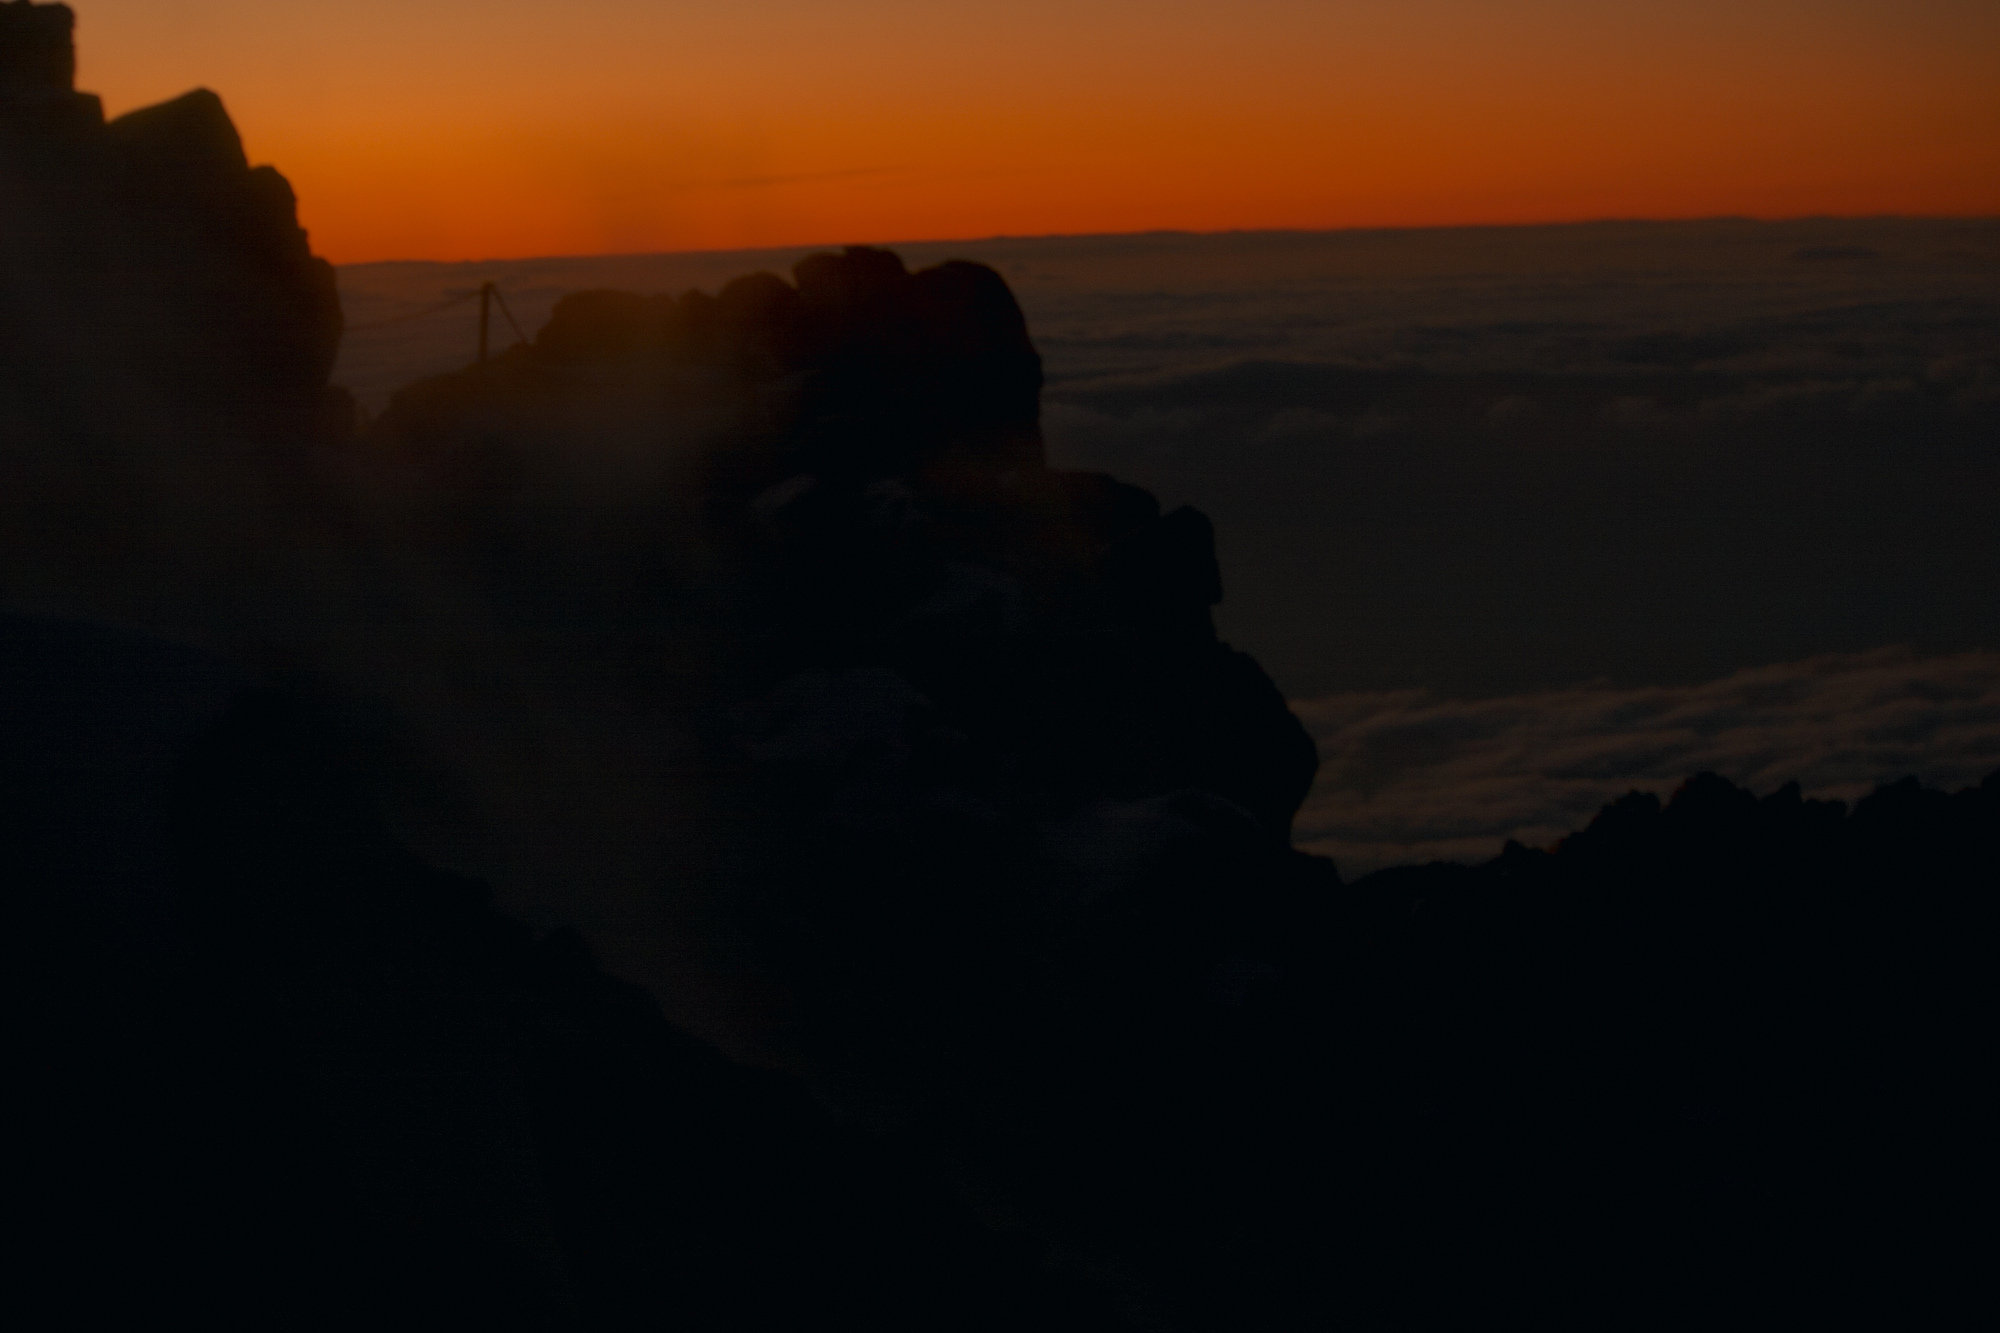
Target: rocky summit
146,254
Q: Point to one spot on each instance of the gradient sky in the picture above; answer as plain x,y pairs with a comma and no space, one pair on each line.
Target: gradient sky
453,129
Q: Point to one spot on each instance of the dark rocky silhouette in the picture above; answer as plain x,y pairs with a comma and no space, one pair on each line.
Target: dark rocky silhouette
165,338
776,669
145,265
1712,1056
887,507
1706,1057
36,51
284,1074
971,711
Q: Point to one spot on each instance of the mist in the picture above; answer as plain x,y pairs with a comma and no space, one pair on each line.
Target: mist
1512,466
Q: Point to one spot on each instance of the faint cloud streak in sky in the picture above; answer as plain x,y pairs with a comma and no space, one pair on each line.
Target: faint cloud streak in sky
409,130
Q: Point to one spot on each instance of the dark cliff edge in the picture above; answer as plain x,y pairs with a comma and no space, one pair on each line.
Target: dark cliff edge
151,244
889,916
165,339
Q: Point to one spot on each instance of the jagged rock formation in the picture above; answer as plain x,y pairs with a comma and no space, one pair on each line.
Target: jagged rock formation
1716,1056
280,1073
1701,1058
165,338
36,53
764,605
1017,871
886,505
970,711
144,264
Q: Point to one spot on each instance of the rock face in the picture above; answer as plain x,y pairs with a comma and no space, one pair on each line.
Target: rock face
279,1073
145,266
165,338
885,504
1013,859
968,713
35,47
752,627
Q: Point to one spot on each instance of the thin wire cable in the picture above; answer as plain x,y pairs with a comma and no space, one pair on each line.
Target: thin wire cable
414,314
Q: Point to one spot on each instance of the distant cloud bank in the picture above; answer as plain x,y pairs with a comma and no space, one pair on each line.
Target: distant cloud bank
1407,777
1483,461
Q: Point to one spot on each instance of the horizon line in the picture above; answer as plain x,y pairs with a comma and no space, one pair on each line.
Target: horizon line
1197,232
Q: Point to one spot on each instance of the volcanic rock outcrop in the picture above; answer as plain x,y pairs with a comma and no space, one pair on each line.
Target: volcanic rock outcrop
753,631
1002,787
148,250
165,332
886,506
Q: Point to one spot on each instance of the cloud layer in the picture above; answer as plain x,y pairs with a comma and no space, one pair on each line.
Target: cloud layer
1407,777
1486,461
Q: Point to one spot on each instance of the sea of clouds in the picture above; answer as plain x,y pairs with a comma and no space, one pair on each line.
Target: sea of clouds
1521,517
1407,777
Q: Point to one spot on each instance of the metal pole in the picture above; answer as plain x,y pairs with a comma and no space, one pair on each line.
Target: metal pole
485,306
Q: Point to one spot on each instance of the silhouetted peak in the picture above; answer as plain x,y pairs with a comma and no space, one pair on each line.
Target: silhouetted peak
1708,796
189,141
1633,815
968,311
900,373
919,368
605,325
973,339
756,298
759,322
1900,804
1786,797
160,273
859,278
36,48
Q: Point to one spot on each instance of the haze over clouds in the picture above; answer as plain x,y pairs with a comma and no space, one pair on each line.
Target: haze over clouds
1494,463
1162,323
1408,777
1759,432
451,129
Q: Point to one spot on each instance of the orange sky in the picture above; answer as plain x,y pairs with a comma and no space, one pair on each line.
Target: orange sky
452,129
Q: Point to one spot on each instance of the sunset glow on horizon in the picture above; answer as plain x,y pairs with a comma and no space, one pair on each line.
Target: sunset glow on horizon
455,130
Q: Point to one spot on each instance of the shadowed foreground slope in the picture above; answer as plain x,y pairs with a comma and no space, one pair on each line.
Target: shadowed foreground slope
1714,1061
